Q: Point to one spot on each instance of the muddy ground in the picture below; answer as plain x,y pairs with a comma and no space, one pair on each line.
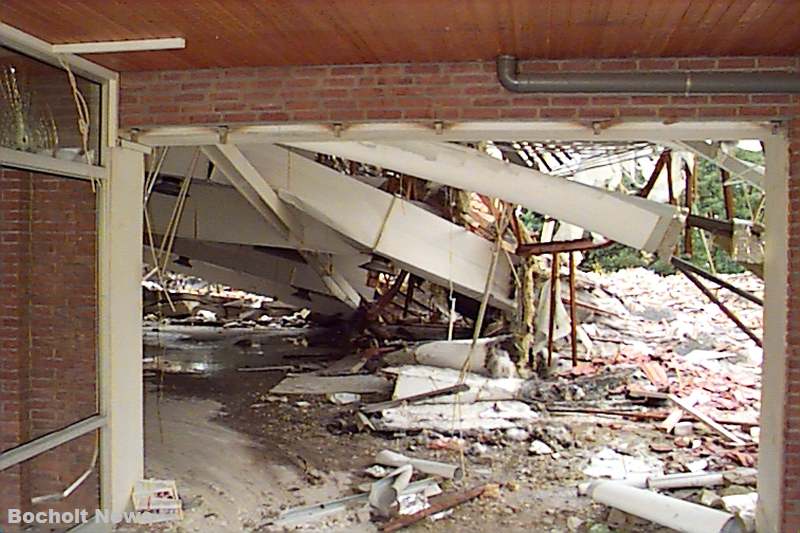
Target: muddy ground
240,456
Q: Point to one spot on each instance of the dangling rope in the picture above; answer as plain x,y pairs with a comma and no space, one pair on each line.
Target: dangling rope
82,109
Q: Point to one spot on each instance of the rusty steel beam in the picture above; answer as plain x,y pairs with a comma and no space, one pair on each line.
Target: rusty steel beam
573,332
710,295
723,228
727,194
575,245
691,184
651,181
714,279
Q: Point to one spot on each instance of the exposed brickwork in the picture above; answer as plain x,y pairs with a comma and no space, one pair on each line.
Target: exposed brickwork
48,331
791,485
450,91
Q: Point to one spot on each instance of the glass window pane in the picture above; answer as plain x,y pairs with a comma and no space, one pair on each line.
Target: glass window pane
39,113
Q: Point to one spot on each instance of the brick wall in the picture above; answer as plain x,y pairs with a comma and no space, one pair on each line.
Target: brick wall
454,91
48,331
791,485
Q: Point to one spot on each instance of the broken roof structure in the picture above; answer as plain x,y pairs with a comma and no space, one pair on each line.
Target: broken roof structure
425,162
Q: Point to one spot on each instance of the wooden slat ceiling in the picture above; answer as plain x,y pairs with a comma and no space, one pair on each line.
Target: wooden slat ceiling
228,33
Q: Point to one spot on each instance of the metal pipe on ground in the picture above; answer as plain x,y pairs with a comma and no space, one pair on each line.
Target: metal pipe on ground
684,82
663,510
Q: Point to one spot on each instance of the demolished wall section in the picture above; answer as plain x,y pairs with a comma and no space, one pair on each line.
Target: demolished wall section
48,332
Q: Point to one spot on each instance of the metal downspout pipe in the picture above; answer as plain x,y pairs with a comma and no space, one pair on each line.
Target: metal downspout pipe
685,82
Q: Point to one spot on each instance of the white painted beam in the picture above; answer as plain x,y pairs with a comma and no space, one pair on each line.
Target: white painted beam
774,399
455,131
285,270
133,45
416,239
120,327
42,50
736,167
637,222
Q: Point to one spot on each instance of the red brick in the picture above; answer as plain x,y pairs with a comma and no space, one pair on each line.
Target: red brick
59,358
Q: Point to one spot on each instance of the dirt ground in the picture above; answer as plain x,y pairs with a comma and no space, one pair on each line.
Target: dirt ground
240,456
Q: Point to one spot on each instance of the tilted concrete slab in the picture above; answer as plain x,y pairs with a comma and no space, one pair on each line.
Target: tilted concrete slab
634,221
417,240
230,161
215,212
326,305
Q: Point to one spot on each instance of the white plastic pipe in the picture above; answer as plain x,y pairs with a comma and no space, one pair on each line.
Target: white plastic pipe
390,458
670,512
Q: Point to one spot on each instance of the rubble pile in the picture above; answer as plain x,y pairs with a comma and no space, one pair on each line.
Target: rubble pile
657,354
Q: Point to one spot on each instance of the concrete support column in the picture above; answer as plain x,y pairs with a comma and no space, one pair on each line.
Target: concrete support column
121,400
775,395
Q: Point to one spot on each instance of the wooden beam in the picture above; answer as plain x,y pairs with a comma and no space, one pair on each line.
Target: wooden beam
691,182
727,194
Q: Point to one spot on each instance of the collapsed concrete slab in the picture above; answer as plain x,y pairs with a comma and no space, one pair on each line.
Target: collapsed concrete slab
415,239
636,222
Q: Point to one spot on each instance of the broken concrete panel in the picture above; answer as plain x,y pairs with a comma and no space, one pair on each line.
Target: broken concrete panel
288,294
637,222
217,212
311,384
452,418
418,379
278,265
421,242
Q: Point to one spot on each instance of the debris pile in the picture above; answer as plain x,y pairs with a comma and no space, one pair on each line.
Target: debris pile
656,354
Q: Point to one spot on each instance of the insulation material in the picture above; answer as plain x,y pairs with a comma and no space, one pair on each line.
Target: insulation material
453,418
542,321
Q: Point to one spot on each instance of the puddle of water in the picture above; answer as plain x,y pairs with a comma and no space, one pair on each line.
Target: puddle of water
206,350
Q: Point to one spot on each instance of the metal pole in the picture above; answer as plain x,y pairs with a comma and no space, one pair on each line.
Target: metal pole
572,314
730,314
552,315
678,262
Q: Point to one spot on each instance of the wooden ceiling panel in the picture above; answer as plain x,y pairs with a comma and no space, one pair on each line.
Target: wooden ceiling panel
229,33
